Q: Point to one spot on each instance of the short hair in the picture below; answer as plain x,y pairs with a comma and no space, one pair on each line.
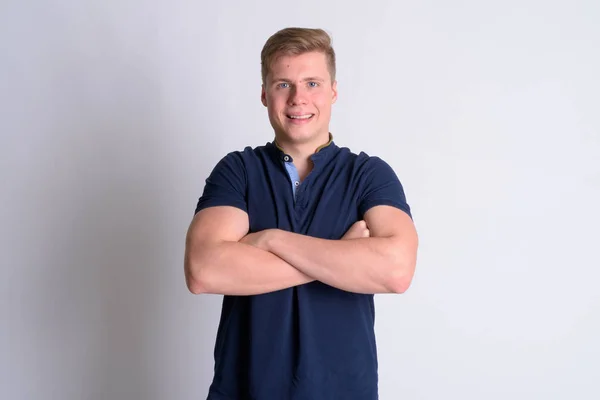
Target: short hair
296,41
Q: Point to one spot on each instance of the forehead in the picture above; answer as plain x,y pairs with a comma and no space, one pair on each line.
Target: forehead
293,66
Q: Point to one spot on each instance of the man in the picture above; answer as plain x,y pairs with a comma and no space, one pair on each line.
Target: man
298,235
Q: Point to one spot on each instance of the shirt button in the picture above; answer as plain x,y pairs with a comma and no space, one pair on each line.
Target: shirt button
286,158
297,183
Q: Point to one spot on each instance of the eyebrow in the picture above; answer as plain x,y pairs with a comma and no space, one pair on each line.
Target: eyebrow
308,79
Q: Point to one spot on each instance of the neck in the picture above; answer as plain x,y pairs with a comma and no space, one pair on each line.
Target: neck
301,152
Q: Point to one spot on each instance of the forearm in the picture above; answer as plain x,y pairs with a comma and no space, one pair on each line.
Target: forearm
235,268
365,265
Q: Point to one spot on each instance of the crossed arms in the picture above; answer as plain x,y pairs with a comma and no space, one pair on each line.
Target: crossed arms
377,255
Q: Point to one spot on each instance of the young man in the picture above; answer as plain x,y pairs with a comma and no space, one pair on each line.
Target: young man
298,235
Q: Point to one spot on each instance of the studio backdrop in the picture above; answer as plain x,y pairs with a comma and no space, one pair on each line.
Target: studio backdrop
112,114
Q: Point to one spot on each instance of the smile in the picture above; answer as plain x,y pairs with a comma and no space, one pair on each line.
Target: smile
305,116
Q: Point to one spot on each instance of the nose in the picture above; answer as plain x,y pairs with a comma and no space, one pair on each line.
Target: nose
297,96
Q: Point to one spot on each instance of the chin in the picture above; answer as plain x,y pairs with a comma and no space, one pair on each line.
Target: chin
299,137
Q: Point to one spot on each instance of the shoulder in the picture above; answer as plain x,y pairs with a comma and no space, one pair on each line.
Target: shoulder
376,181
248,153
243,158
364,163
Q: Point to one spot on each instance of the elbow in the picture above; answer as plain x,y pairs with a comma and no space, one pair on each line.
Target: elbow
403,260
203,271
195,277
401,275
194,285
398,283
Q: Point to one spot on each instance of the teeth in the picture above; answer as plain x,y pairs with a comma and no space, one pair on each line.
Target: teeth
300,116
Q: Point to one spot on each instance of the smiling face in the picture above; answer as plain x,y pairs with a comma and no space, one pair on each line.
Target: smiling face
298,93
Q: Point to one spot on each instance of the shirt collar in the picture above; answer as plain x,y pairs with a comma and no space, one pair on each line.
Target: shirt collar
322,152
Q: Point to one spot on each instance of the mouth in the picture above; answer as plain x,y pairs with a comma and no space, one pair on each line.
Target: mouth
300,118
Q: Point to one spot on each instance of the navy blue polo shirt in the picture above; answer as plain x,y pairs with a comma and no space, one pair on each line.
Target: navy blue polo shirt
313,341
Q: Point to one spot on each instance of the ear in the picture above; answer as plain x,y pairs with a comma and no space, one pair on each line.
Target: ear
335,92
263,95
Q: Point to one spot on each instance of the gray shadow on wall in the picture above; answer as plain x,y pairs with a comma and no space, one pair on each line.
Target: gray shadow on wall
102,318
99,315
114,252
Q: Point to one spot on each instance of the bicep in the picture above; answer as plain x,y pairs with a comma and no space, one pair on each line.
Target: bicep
392,222
217,224
210,228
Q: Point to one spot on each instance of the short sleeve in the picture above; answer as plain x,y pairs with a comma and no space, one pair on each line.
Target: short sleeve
381,186
226,185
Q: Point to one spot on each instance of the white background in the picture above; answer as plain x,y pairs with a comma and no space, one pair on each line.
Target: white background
113,113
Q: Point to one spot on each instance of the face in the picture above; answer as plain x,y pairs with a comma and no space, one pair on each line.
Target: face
298,94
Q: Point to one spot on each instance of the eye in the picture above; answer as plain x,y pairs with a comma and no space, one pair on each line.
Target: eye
313,84
283,85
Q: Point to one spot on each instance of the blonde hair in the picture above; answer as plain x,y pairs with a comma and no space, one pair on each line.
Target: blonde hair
296,41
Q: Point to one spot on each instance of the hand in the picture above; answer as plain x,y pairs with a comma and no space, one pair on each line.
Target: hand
358,230
257,239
